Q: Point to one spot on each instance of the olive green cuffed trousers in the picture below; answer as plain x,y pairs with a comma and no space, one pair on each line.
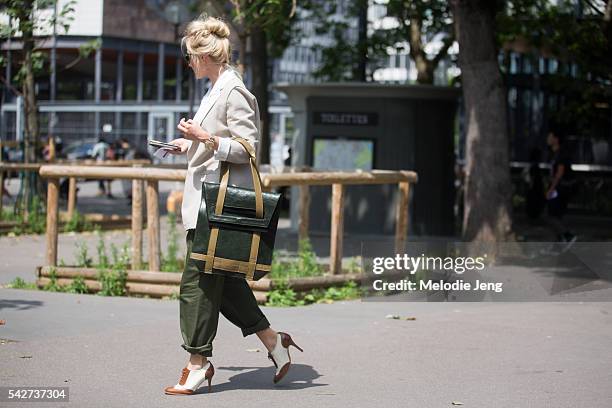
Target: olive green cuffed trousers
203,296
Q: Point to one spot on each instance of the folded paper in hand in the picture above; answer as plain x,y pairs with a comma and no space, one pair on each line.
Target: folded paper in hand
161,153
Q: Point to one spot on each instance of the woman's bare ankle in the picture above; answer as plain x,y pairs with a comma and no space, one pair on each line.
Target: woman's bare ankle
196,361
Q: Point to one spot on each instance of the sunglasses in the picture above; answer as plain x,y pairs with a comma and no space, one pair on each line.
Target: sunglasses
186,54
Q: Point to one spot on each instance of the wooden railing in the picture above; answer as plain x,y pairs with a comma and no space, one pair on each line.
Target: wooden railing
72,185
152,176
338,181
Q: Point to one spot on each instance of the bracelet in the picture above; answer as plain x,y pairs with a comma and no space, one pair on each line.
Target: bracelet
210,142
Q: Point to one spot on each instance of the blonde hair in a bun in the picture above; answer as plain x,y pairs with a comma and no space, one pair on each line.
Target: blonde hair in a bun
208,35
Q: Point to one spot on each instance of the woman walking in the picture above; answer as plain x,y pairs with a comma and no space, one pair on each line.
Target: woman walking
227,110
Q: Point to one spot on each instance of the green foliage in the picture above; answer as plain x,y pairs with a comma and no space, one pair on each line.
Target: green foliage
36,221
19,283
77,285
282,295
113,282
305,265
120,257
103,261
88,47
434,22
575,35
78,223
349,291
27,17
52,285
112,276
174,296
274,17
171,262
354,265
82,255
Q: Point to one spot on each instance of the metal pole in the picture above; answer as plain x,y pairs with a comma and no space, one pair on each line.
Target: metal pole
97,89
139,81
160,72
119,91
179,79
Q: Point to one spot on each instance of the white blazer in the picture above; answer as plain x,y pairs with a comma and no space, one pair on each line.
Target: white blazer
227,110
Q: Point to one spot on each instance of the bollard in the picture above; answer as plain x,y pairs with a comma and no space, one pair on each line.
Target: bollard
337,229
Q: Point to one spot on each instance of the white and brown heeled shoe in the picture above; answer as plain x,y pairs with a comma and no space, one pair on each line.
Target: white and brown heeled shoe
280,355
192,379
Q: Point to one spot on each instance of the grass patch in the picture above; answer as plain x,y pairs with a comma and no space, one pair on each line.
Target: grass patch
304,265
283,295
35,223
78,223
19,283
171,261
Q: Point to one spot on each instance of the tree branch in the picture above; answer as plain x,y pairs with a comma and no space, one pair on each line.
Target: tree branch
448,42
9,86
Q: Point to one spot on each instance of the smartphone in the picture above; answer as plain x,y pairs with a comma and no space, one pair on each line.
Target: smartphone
164,145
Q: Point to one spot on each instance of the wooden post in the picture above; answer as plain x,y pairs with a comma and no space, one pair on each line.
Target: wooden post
337,229
52,211
71,197
136,224
1,189
401,217
153,225
304,207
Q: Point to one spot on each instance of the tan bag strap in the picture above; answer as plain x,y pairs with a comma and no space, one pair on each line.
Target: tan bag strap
259,213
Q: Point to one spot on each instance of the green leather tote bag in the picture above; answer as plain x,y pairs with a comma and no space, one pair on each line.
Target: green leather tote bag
236,226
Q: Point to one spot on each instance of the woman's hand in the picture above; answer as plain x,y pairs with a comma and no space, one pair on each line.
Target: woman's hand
182,143
192,131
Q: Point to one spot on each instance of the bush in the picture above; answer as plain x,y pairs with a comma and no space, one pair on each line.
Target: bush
78,223
305,265
19,283
77,285
113,282
283,295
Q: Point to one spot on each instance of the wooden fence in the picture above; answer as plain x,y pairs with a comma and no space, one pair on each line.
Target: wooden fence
151,176
72,187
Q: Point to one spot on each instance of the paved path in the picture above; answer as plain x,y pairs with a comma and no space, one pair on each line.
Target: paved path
115,352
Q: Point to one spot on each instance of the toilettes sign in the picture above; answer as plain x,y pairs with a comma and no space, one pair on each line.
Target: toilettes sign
346,118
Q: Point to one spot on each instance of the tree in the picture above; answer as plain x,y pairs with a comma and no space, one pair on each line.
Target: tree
27,14
487,215
419,23
575,35
348,56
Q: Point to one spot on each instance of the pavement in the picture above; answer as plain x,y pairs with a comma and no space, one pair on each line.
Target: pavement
116,351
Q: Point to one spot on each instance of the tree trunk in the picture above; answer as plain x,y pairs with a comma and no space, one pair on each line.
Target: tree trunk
362,43
487,215
607,18
242,40
423,66
31,135
31,120
259,70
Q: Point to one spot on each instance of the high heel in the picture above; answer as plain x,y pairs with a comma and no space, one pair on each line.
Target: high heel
280,355
192,379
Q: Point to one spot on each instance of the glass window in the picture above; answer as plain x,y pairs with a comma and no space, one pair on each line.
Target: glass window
170,78
130,70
